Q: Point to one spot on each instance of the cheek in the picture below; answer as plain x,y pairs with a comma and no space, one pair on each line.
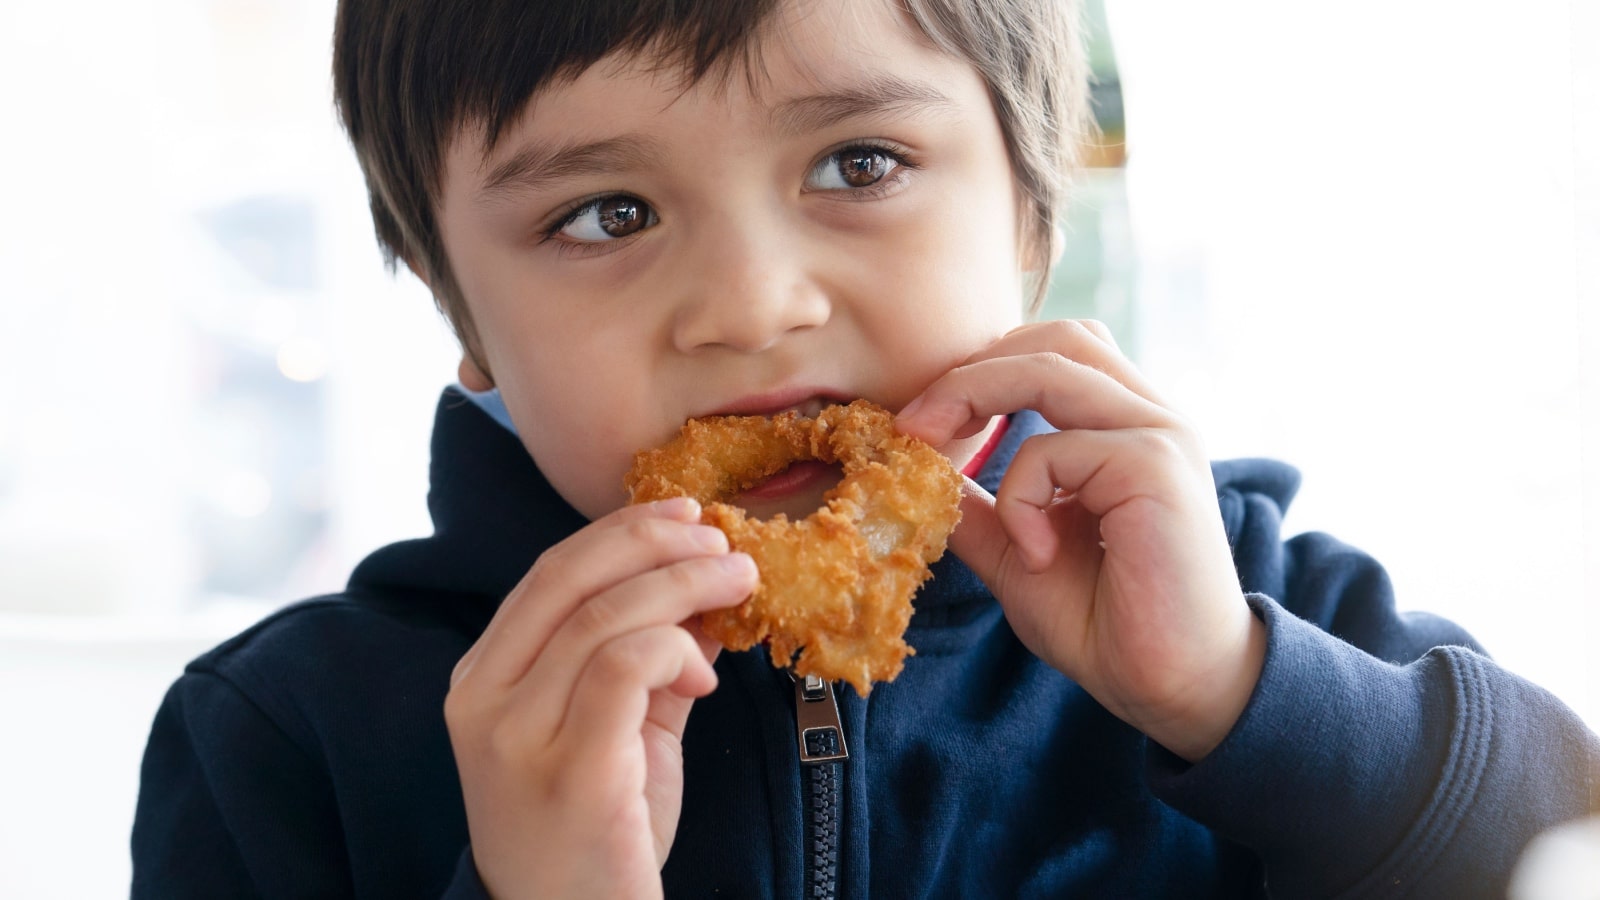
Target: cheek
963,269
971,221
586,461
573,389
583,444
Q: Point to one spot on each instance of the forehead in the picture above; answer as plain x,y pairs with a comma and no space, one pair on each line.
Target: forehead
808,62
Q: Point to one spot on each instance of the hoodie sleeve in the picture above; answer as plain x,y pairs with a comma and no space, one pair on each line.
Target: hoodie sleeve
1382,754
230,806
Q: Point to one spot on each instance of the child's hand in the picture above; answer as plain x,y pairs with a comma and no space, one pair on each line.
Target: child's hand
1104,545
567,713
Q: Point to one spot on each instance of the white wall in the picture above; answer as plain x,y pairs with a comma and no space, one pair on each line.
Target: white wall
126,125
1370,234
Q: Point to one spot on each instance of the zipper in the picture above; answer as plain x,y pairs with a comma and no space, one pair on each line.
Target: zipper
819,736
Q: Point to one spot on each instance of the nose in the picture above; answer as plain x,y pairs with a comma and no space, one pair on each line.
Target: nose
746,284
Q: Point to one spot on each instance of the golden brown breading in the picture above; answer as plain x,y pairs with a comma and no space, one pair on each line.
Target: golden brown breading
835,587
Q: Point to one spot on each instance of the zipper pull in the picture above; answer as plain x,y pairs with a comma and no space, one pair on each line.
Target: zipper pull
818,730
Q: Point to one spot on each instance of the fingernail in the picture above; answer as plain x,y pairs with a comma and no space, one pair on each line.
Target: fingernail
678,508
738,564
708,538
910,409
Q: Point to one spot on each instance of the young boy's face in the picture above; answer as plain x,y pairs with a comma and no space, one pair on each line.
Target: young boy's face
635,253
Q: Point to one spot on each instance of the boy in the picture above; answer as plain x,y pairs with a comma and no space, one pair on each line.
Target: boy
639,213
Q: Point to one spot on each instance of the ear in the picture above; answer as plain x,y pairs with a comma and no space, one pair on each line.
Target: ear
472,377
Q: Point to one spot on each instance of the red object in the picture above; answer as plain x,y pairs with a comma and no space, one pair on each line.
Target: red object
975,465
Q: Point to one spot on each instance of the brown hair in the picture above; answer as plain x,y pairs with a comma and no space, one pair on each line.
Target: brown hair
408,74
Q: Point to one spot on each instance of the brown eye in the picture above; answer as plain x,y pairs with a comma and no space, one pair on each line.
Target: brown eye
852,168
621,216
607,219
863,167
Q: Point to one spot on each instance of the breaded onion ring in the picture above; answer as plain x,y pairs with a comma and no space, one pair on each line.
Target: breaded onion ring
836,586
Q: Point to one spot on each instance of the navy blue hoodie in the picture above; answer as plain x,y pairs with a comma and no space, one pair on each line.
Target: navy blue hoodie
1381,754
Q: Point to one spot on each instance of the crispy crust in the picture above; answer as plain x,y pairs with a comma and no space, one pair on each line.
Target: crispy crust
835,587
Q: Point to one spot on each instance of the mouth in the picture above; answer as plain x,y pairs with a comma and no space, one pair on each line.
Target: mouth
807,402
800,477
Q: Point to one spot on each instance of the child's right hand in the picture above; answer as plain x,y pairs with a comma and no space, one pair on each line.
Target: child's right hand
566,716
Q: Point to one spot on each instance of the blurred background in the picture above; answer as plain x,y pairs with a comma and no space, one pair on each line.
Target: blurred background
1364,238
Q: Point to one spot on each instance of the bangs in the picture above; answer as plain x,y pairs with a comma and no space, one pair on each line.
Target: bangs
432,66
564,38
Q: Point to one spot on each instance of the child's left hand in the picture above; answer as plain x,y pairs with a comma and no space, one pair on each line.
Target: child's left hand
1104,545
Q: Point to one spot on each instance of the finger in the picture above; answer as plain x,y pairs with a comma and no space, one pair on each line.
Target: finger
666,596
612,696
1096,471
624,544
709,646
1101,471
991,547
1086,340
1100,330
1069,394
669,711
562,569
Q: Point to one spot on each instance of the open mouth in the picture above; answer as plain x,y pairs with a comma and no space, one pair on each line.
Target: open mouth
805,476
799,477
811,407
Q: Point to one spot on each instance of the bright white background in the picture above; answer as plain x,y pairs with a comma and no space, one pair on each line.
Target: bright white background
1367,241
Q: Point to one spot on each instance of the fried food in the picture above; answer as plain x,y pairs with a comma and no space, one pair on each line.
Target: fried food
835,587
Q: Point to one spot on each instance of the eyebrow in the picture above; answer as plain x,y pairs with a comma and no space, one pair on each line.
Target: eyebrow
539,163
536,164
876,95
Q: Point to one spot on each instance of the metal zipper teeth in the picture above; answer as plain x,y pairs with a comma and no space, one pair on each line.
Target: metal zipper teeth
819,736
822,830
